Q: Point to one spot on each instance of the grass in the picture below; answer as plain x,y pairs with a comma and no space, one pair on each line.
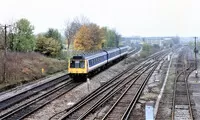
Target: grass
25,67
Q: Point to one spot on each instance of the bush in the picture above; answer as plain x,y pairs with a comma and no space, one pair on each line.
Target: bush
22,67
48,46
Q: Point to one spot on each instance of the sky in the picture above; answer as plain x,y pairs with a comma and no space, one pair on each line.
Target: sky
127,17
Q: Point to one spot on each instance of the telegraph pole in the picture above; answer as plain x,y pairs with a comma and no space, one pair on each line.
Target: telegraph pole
195,51
5,51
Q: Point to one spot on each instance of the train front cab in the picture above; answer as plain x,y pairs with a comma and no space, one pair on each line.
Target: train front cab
77,69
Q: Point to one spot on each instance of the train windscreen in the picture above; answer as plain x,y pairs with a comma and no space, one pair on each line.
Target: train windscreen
77,64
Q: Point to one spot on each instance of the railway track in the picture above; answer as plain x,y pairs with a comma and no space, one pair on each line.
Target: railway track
33,105
99,91
122,108
44,93
181,104
96,99
85,108
28,93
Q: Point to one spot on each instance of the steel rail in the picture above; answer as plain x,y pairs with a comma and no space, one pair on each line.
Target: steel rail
111,94
188,98
137,96
186,75
118,100
16,113
100,89
95,94
33,91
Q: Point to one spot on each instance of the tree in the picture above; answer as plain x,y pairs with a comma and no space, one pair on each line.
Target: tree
146,47
89,37
117,39
48,46
53,33
1,39
95,36
111,37
72,27
24,39
83,41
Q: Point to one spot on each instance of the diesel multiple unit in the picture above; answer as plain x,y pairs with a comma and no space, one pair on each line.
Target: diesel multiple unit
84,65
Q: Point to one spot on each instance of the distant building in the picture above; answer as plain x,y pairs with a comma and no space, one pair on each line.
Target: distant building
160,41
136,40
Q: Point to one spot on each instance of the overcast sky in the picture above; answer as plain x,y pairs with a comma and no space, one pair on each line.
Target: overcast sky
128,17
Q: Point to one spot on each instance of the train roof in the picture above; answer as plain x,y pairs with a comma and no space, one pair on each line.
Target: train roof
112,50
123,47
96,53
89,55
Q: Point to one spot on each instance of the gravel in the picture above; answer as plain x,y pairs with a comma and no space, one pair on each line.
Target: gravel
151,91
77,93
194,85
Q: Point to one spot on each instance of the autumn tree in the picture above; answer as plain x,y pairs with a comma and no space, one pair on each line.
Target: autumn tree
48,46
24,39
89,37
95,36
83,41
72,27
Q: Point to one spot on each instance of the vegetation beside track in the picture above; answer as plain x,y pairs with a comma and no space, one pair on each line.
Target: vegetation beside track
25,67
148,50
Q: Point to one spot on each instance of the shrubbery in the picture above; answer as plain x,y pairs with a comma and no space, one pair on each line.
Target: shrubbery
48,46
26,66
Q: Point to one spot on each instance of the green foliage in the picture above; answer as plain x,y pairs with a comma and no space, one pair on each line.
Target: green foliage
111,37
191,44
48,46
146,50
53,33
24,39
146,47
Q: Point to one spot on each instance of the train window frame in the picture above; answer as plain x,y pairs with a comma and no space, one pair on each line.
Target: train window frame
77,63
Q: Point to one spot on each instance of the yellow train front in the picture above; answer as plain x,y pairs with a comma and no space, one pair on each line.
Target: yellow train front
82,66
77,67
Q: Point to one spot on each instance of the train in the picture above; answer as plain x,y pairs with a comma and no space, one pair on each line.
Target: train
84,65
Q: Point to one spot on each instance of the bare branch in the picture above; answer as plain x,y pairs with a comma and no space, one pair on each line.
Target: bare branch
73,26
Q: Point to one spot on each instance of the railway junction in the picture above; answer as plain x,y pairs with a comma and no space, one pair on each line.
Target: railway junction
165,80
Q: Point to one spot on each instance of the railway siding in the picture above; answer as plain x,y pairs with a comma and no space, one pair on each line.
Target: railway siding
151,91
165,105
176,100
194,85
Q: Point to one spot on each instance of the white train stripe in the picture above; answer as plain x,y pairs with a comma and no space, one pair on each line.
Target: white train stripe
96,66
